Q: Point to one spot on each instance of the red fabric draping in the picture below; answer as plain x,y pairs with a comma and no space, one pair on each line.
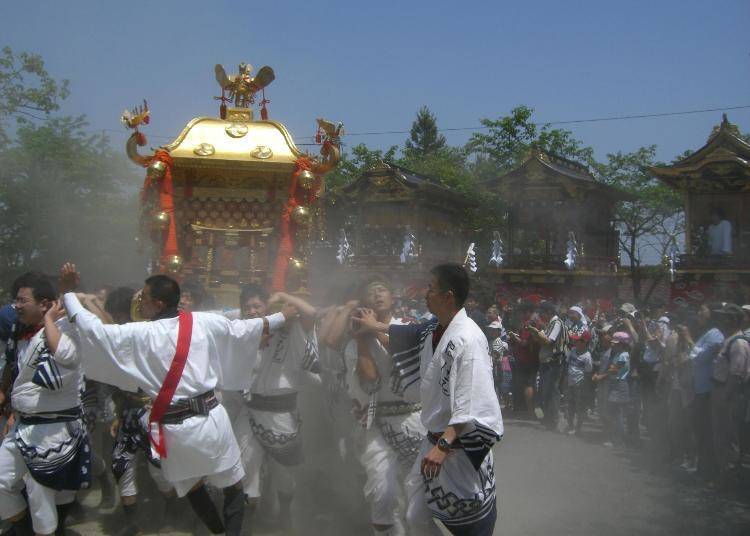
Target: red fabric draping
286,241
166,202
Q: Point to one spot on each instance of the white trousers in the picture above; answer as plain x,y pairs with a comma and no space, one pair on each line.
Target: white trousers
257,455
236,407
14,475
128,486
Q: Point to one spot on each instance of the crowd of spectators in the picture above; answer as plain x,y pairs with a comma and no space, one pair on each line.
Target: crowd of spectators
681,378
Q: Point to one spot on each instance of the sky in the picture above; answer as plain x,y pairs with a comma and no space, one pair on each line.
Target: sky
372,65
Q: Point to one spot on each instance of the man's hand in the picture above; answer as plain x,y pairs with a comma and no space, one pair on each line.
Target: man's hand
364,320
69,278
54,313
432,463
9,423
114,428
289,311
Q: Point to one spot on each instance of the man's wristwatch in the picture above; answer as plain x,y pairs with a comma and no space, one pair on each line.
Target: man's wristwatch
443,444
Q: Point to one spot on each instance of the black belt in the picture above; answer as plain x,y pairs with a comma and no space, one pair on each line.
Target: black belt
190,407
47,417
275,403
432,437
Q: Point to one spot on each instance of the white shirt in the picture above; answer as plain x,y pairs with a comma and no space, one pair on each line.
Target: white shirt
47,382
720,238
457,383
222,352
289,351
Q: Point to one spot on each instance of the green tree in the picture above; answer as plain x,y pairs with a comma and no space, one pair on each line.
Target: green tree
424,138
355,162
508,140
653,216
26,89
448,165
66,195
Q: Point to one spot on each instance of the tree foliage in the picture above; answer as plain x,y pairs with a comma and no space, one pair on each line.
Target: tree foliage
508,139
654,207
26,88
64,194
424,138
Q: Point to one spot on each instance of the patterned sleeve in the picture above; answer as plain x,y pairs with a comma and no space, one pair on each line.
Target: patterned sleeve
406,345
308,342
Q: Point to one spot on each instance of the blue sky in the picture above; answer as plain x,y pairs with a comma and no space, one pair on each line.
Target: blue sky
372,65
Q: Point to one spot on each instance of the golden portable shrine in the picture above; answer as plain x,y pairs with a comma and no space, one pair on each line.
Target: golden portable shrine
232,200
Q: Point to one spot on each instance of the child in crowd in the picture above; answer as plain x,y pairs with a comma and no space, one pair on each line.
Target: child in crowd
579,365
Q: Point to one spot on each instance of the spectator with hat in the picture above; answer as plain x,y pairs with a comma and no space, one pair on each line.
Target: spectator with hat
580,365
500,360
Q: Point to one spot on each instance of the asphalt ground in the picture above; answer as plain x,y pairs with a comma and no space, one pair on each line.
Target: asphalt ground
548,483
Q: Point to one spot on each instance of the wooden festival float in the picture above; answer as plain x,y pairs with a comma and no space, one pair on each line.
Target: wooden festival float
394,222
560,240
232,200
715,176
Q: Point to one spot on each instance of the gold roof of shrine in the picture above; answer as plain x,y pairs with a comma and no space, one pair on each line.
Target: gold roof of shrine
237,141
722,164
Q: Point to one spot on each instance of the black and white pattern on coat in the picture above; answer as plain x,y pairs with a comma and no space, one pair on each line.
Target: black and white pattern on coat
47,373
404,444
131,438
477,443
58,454
311,358
445,369
285,448
453,510
406,344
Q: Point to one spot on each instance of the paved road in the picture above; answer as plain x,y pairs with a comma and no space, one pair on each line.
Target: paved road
548,483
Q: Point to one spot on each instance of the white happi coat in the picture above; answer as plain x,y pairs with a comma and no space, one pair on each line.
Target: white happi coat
141,353
392,442
456,388
52,458
47,382
289,352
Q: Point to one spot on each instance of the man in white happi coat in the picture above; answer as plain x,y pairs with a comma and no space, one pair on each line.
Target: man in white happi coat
394,430
48,450
194,435
445,363
272,400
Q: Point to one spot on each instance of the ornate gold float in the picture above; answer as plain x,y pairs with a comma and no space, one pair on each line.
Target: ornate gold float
232,199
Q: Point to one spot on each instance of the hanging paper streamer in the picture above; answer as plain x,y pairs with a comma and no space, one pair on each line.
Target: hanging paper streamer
570,257
496,259
470,261
672,265
409,250
345,250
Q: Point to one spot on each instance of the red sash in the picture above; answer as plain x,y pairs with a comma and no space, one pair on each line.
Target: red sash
164,398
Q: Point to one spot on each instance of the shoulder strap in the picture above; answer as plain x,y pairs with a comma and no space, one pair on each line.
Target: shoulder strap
172,379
